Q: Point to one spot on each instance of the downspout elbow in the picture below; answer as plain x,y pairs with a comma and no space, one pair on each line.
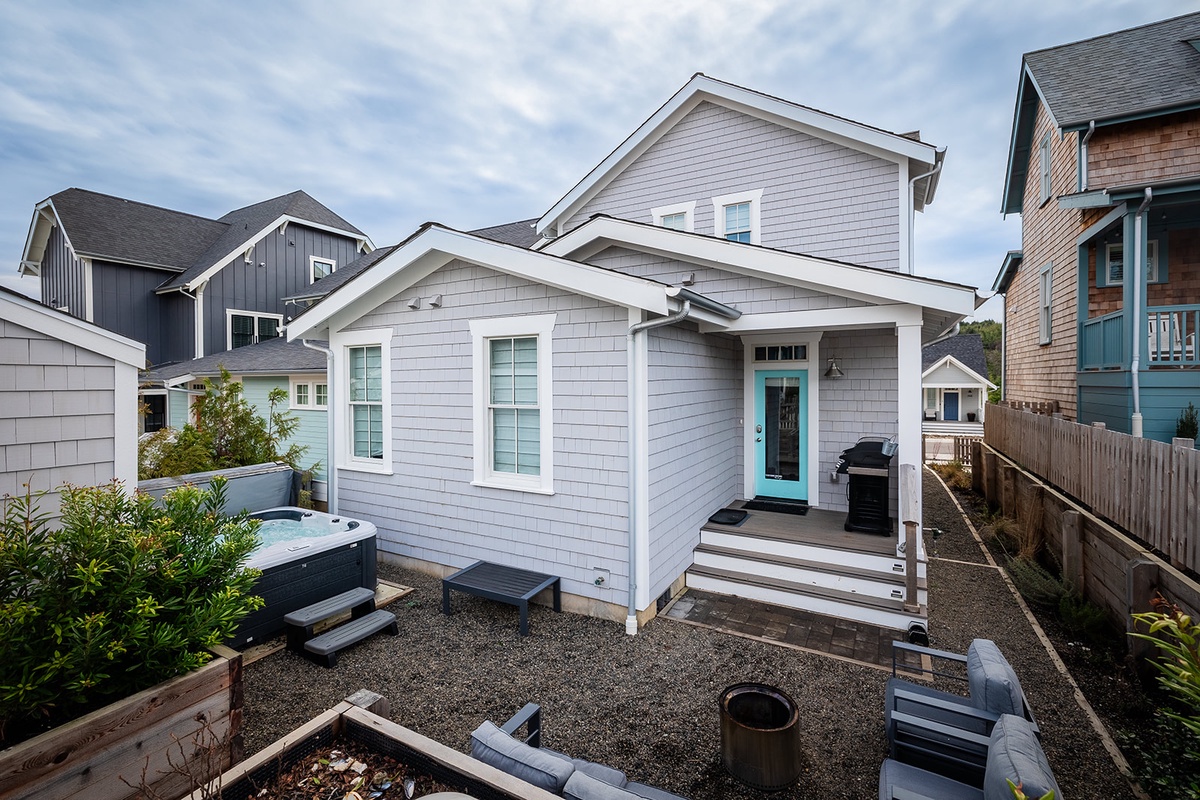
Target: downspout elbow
331,496
939,159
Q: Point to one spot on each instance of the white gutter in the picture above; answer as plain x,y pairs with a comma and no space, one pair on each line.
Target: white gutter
938,158
633,391
1139,270
1083,156
331,496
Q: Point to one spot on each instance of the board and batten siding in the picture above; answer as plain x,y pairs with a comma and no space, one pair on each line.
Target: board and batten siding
695,441
819,198
62,276
125,303
284,271
58,414
428,509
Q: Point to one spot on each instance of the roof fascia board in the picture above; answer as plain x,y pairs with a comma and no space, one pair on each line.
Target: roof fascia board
1093,199
951,360
1136,116
1008,268
1160,191
252,240
890,146
1008,206
787,268
436,246
44,213
822,319
33,315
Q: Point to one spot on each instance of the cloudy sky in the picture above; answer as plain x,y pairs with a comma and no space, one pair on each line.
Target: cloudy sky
479,112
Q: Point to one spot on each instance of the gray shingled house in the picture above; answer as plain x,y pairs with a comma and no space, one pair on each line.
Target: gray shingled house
954,380
711,315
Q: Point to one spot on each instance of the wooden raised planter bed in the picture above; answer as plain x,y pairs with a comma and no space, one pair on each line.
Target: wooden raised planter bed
347,721
193,721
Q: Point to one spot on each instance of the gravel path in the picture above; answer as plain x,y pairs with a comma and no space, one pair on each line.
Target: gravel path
647,704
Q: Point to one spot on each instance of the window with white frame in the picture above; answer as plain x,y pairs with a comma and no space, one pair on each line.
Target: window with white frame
249,327
680,216
736,217
1114,263
1044,300
320,268
365,399
363,413
1044,168
513,396
309,394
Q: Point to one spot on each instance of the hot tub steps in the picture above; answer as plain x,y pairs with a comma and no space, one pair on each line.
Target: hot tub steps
365,620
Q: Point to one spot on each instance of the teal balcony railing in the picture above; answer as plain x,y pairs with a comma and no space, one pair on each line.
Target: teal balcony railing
1171,334
1102,342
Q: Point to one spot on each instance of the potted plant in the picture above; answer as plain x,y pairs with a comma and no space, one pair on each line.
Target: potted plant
110,619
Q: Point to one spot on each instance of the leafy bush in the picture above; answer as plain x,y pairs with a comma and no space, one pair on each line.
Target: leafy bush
1188,425
124,595
953,473
229,432
1178,638
1036,583
1085,620
1166,759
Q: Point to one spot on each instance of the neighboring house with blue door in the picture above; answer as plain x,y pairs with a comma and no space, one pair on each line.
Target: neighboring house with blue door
716,311
1102,302
955,384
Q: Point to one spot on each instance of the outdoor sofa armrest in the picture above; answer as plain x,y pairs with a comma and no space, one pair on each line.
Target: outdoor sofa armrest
530,715
945,655
960,715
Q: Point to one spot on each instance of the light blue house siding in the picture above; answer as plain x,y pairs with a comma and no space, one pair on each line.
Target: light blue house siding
428,510
819,198
312,431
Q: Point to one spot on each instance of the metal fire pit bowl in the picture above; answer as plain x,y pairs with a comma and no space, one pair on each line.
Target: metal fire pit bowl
760,736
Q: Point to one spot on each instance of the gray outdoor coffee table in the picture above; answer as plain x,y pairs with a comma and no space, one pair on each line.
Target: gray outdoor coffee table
506,584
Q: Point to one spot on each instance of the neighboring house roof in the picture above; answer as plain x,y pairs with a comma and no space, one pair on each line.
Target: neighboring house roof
29,313
1131,74
1008,271
917,155
272,357
522,234
966,349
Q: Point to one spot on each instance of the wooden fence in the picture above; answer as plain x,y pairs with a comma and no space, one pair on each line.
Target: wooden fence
1149,488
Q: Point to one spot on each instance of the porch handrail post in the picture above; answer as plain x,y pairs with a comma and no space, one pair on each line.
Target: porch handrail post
909,514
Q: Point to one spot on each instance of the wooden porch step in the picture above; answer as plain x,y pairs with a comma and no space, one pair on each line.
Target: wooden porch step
324,649
845,570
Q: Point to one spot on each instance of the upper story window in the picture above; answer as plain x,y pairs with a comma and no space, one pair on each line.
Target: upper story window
1113,273
679,216
736,217
320,268
1045,297
250,327
1044,169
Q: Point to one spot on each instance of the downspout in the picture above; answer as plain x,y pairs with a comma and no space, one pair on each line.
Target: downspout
1083,156
1139,269
330,409
938,157
631,624
950,334
198,322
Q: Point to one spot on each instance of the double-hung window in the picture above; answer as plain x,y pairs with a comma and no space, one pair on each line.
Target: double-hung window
1045,297
249,327
512,399
736,217
1044,154
364,399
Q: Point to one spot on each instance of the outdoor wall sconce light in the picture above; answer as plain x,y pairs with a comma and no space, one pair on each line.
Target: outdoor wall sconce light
833,371
414,303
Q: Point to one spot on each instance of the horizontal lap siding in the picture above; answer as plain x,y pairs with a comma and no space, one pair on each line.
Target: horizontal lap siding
695,442
57,420
428,509
818,197
311,430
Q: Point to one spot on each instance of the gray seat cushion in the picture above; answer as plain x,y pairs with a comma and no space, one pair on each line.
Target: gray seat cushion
894,775
1015,754
493,746
650,792
613,777
582,786
994,685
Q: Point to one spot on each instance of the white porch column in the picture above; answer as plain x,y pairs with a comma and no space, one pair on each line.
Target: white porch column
908,405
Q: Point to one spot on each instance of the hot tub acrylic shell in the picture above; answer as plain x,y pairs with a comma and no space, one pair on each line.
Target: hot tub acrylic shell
305,570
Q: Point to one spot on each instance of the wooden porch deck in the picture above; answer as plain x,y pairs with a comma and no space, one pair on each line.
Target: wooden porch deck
818,527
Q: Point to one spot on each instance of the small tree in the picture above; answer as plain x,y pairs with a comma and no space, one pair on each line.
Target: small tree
1188,426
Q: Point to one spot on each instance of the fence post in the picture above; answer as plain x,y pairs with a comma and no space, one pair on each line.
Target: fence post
1008,491
1072,550
977,467
1141,578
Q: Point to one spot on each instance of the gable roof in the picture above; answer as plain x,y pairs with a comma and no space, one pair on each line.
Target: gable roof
966,349
340,275
29,313
520,234
701,88
1136,73
273,357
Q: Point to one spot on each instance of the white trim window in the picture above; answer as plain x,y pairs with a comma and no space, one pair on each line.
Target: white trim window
1044,153
365,414
250,327
1114,263
512,398
307,394
320,268
1045,297
737,217
679,216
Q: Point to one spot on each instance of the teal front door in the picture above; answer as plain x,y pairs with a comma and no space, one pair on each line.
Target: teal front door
781,434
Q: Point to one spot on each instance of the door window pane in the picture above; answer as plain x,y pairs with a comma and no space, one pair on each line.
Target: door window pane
781,432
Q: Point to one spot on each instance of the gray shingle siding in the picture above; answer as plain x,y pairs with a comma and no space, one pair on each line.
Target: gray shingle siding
819,198
428,509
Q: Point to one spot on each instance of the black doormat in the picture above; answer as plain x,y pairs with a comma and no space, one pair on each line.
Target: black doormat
779,506
729,516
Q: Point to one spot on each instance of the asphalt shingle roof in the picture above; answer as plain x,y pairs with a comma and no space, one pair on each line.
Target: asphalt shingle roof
343,274
272,357
966,348
521,234
1138,70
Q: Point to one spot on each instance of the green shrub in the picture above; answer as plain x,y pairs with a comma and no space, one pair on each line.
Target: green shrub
1085,620
1165,759
125,594
1178,638
1036,583
1188,425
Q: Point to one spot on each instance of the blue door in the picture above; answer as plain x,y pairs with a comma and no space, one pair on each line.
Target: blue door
781,434
950,406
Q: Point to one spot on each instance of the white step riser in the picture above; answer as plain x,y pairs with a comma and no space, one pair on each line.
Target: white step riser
807,552
807,577
817,605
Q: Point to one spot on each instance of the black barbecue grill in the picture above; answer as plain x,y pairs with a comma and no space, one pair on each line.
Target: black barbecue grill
867,464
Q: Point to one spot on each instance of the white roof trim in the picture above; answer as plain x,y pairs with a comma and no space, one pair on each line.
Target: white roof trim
45,219
31,314
867,284
891,146
253,240
436,246
951,360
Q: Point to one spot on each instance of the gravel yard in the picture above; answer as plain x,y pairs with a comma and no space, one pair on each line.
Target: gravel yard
648,704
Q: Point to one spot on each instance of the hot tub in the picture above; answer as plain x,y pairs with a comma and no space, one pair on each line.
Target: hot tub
305,556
